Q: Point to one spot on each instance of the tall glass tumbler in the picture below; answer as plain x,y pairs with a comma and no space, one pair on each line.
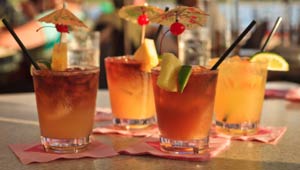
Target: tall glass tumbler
66,103
131,93
184,119
240,96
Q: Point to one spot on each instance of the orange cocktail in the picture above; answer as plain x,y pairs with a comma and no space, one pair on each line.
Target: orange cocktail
184,119
240,95
131,93
66,102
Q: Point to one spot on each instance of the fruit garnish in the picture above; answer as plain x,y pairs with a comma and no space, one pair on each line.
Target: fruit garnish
147,55
59,57
275,61
183,76
143,19
170,66
62,28
177,28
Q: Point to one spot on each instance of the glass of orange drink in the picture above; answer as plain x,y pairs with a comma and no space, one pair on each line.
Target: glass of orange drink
130,91
185,118
130,87
240,95
66,103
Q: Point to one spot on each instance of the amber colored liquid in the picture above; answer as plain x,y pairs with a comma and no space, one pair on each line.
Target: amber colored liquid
130,89
240,92
66,102
187,115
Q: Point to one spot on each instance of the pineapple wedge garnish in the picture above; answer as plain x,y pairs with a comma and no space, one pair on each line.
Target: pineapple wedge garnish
147,55
59,57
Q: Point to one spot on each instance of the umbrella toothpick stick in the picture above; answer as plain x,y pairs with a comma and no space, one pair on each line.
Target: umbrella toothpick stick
63,37
180,48
143,34
139,14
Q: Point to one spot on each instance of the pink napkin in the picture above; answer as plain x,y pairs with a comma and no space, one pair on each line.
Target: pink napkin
103,114
275,93
146,132
293,95
29,153
269,135
150,146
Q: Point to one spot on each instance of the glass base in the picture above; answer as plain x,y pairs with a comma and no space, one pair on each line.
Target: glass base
192,147
133,123
242,129
64,145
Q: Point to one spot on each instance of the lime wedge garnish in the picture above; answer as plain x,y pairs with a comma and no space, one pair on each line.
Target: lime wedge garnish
275,61
183,76
167,78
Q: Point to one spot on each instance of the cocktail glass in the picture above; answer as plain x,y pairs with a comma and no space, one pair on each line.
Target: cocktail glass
131,93
184,119
239,96
66,102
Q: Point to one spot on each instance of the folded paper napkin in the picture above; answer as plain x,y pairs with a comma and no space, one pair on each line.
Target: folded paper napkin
275,93
293,95
29,153
146,132
280,89
103,114
269,135
150,146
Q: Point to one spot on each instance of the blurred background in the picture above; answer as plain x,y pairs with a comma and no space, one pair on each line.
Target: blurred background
227,18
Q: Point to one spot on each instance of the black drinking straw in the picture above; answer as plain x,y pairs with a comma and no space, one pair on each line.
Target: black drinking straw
233,45
160,27
276,25
10,29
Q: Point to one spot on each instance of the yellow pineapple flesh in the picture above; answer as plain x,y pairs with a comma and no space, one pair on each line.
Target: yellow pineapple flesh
59,57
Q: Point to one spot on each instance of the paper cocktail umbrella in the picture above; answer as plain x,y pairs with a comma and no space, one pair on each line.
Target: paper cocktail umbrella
140,15
62,19
180,19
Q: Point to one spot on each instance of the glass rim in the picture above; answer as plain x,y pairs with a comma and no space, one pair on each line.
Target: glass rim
125,59
156,70
248,61
118,57
86,70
